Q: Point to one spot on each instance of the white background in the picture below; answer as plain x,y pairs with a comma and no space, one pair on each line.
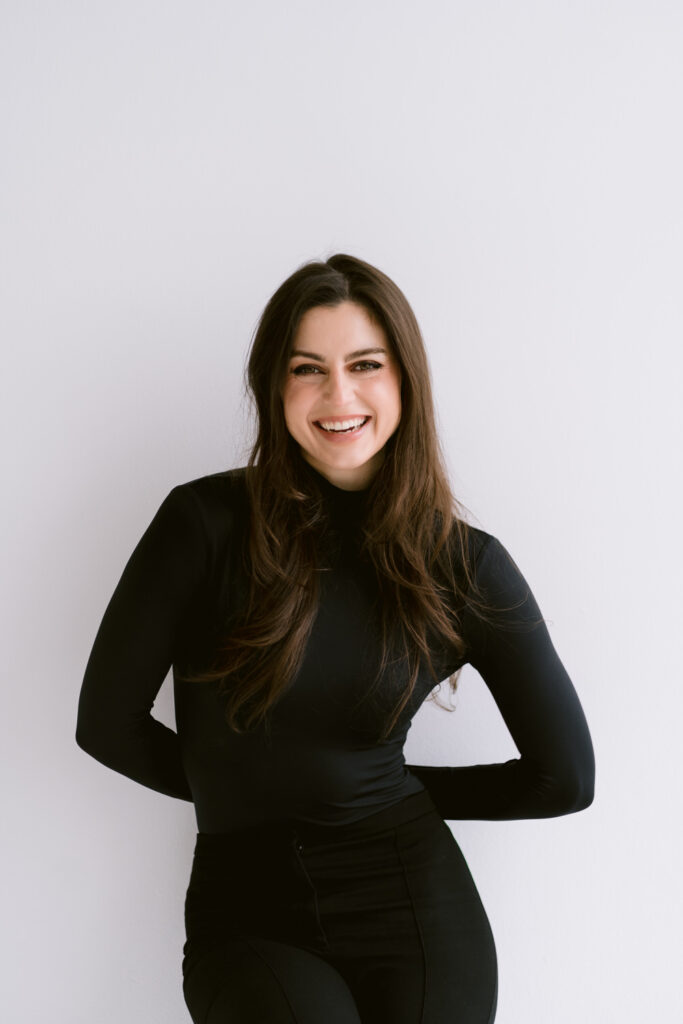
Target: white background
517,169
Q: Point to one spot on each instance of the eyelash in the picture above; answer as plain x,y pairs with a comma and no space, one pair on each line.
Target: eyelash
367,363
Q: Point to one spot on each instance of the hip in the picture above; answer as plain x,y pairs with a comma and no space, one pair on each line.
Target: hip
332,889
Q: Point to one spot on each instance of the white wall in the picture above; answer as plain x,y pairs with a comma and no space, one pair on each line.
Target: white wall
516,168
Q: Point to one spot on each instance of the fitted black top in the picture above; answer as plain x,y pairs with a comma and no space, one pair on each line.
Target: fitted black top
321,761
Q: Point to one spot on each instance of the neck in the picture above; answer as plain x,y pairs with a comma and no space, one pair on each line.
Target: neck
357,479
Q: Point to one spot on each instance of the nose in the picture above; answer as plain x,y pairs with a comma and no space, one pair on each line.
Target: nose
338,387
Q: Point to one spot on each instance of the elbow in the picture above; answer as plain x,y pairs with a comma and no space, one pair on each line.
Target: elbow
97,726
565,792
93,737
584,788
105,735
583,798
588,791
578,793
86,738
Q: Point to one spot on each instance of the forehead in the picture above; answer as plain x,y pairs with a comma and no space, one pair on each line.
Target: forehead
331,329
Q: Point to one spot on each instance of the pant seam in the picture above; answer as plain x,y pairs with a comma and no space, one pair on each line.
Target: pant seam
417,924
211,1004
272,971
316,904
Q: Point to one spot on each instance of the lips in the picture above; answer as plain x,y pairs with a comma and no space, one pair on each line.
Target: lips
343,431
348,425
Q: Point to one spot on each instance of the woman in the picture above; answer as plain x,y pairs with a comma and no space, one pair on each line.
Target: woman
308,604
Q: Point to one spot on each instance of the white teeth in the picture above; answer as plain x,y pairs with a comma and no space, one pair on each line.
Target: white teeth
343,424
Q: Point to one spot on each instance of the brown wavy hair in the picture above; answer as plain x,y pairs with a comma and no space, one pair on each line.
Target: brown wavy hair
414,533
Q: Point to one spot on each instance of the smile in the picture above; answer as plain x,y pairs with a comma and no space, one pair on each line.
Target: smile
352,425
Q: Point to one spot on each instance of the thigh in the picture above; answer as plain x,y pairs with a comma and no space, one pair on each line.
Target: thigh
420,950
260,981
459,966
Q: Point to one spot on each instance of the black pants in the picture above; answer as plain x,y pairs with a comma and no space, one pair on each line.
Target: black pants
376,922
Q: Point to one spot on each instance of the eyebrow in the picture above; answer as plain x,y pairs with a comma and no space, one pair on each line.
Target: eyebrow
352,355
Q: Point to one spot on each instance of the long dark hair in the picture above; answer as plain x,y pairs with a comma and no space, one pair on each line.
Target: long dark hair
415,532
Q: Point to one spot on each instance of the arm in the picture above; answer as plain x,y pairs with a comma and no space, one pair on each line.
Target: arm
134,650
517,660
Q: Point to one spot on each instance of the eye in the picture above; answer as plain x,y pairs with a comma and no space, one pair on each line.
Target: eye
304,369
367,364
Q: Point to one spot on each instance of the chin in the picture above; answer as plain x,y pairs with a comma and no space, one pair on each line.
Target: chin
343,461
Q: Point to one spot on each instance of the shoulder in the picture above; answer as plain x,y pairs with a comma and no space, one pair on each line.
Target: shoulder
219,499
493,572
226,485
501,596
478,545
477,540
468,544
491,559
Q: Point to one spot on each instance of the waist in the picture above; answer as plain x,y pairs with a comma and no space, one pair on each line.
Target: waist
333,791
267,834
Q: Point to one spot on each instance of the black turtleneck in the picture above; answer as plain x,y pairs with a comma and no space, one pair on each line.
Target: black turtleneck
321,761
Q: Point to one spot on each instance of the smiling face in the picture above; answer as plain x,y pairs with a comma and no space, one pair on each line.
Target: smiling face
342,393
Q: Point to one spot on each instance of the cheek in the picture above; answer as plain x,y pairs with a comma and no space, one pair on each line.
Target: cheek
390,397
294,406
287,405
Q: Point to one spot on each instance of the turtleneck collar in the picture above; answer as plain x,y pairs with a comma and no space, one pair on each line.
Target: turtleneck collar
348,503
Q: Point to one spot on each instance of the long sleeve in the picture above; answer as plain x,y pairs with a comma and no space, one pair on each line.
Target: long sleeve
516,659
135,648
